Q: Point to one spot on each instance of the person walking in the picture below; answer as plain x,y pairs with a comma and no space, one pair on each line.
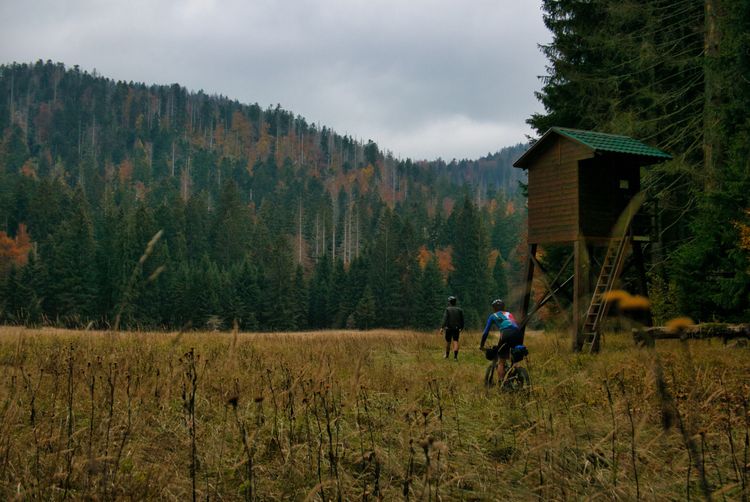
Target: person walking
453,324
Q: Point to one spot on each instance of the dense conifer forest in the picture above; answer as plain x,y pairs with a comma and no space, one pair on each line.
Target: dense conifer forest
676,75
133,206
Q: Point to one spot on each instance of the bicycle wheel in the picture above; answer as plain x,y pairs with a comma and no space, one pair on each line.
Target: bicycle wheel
519,379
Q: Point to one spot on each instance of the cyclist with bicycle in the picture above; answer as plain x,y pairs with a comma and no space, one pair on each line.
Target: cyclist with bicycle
510,334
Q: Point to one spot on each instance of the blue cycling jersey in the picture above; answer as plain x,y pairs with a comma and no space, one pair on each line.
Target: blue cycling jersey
503,321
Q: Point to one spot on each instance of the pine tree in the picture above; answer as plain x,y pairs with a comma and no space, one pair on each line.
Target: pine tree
471,278
710,269
14,150
385,281
500,279
206,282
231,228
245,300
365,314
34,284
336,311
354,286
432,297
144,256
320,292
12,305
408,271
277,300
72,272
301,299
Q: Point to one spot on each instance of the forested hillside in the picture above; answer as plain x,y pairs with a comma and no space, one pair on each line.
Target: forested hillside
675,74
128,205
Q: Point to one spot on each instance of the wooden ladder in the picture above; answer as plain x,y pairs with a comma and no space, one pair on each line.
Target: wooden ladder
611,268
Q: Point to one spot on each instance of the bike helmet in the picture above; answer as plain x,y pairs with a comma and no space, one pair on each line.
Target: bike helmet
498,303
452,300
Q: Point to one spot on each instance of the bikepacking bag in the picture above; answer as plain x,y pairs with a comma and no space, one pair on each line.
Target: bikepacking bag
518,352
491,353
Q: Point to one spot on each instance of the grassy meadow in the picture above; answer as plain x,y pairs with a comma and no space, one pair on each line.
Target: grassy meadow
365,416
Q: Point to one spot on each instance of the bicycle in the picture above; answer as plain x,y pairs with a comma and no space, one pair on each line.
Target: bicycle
516,377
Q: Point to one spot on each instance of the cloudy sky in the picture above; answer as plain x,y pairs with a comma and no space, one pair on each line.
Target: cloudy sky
422,78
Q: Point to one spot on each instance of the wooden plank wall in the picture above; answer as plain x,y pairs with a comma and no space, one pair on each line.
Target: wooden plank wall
553,192
601,198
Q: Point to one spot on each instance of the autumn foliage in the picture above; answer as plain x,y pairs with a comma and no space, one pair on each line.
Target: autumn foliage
14,251
744,229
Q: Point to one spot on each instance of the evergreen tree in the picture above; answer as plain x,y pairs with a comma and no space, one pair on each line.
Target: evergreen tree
203,295
231,228
99,167
197,227
365,314
34,288
144,256
470,280
385,281
15,150
320,292
72,273
710,269
677,81
245,300
354,286
109,258
12,306
500,279
432,297
336,310
278,309
408,271
301,299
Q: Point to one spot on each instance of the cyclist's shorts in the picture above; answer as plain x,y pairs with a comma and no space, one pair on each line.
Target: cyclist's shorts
451,334
509,338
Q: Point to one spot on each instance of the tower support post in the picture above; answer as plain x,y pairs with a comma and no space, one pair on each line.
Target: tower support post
528,279
581,289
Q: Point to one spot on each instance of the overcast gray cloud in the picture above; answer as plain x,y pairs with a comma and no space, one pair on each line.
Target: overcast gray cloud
423,78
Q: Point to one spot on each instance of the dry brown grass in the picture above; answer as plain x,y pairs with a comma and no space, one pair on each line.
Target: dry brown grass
349,415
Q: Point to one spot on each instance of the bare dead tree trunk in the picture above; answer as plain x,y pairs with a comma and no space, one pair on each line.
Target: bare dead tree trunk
349,233
299,237
334,225
357,248
393,190
712,98
345,236
12,90
317,235
185,181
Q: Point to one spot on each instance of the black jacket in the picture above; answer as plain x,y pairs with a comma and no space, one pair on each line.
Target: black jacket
453,318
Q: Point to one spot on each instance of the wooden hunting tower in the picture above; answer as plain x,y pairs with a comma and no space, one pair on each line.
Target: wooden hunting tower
584,189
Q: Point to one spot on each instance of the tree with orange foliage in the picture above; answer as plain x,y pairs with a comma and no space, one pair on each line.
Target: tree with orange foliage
241,133
14,251
744,229
424,256
125,171
444,258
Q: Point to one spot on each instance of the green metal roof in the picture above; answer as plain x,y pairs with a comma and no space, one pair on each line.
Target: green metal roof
611,142
596,141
